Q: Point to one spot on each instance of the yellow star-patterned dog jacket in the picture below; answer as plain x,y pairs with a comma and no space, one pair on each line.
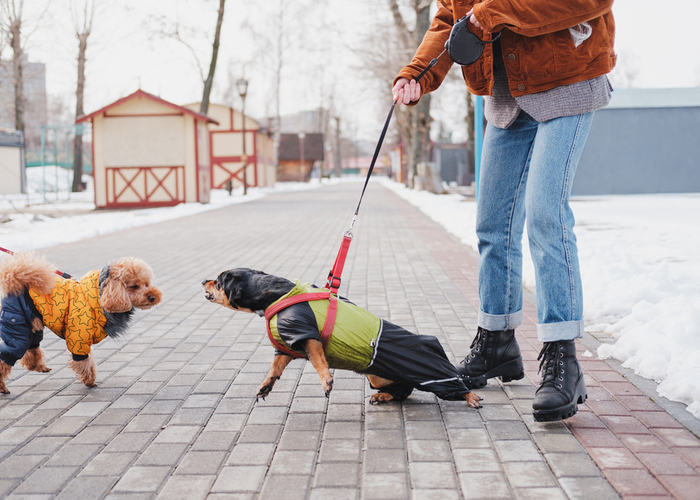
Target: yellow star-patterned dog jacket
72,311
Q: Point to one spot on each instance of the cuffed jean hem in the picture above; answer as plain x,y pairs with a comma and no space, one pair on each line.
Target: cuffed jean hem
496,322
563,330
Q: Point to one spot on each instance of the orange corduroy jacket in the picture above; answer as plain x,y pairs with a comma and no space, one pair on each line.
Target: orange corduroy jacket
537,47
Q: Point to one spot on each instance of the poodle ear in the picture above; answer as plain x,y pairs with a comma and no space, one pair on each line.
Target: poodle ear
114,298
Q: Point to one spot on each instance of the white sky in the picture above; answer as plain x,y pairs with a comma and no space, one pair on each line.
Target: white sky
657,43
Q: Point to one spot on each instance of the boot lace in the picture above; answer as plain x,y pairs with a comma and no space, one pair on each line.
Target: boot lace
478,341
551,365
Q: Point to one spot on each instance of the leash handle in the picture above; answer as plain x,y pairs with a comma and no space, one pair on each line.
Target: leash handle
60,273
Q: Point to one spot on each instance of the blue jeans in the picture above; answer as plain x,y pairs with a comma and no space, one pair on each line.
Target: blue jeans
527,172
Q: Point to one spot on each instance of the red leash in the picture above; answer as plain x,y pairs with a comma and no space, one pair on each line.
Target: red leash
60,273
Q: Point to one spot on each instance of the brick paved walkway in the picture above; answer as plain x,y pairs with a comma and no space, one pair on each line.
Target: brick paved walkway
174,414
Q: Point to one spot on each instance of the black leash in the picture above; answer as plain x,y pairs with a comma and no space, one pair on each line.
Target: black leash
381,139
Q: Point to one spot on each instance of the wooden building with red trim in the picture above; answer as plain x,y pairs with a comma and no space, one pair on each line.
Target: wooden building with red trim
226,146
148,152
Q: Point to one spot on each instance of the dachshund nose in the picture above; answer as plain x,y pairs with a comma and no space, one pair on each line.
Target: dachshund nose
151,298
204,282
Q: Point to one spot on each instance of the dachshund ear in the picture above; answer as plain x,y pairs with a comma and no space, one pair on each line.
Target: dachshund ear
114,298
232,286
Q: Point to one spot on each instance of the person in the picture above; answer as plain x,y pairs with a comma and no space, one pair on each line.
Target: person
543,80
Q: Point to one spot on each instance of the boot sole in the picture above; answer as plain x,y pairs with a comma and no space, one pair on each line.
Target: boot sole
507,372
566,411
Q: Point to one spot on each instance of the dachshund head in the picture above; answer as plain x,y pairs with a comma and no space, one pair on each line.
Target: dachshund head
246,289
128,283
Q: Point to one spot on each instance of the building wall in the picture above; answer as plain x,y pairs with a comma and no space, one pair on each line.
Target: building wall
35,114
641,150
10,170
293,171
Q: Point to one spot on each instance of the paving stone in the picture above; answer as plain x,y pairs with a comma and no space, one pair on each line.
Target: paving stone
187,487
46,480
484,485
142,480
333,494
384,460
506,429
588,488
239,479
428,451
130,441
73,455
572,464
384,438
19,466
87,487
435,494
384,486
297,462
251,454
517,451
109,464
339,430
529,474
432,475
168,454
476,460
287,487
340,450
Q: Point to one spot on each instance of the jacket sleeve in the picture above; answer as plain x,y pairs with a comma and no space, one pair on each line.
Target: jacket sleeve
432,45
537,17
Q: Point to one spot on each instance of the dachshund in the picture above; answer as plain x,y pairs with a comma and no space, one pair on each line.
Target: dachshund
82,312
394,360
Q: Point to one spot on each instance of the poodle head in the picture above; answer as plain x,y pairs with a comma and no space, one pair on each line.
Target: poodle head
128,283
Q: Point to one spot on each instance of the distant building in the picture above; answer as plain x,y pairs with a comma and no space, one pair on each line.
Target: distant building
644,141
226,146
148,152
293,165
35,111
12,173
456,163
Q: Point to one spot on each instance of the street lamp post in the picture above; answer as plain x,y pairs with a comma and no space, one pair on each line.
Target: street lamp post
301,153
242,86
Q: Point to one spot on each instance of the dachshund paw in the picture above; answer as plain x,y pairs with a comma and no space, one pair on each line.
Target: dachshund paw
380,397
472,400
4,389
327,386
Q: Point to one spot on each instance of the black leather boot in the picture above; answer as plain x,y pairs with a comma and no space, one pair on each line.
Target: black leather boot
494,354
562,388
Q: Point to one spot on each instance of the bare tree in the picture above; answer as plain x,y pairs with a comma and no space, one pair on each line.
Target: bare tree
12,16
413,122
12,29
186,35
82,23
214,56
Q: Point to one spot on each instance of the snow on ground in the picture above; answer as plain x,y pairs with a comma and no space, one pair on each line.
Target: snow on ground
640,266
66,217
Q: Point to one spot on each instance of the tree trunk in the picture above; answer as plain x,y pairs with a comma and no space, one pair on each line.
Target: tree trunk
214,55
420,136
17,56
79,99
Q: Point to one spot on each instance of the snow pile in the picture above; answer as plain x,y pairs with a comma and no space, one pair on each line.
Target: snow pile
640,266
36,224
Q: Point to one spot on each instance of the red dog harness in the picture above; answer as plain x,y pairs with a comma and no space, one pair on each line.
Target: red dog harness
331,295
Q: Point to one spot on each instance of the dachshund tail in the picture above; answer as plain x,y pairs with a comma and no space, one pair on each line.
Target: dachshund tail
26,270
